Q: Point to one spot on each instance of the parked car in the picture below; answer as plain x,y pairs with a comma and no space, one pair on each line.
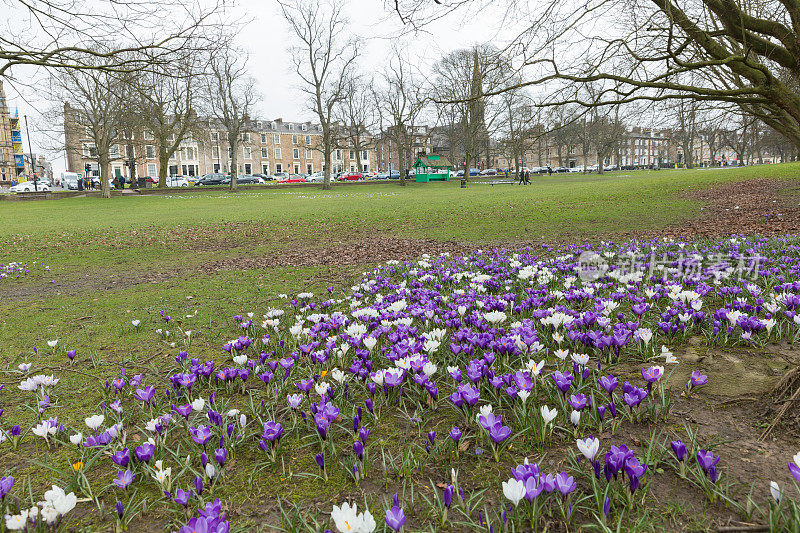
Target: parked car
151,179
28,186
265,177
281,175
292,178
611,168
350,176
592,168
316,177
177,181
560,169
488,172
211,179
246,179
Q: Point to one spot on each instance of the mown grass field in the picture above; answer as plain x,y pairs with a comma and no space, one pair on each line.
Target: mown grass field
112,261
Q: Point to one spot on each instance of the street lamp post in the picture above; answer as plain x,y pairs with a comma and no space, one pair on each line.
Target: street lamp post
30,152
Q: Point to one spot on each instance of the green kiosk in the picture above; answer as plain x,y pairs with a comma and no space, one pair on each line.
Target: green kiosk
432,168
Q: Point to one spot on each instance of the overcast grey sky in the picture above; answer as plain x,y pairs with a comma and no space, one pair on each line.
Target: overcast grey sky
267,38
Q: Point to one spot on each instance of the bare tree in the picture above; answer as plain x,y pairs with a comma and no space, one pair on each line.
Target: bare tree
78,34
323,58
400,104
94,104
463,78
516,125
737,135
167,97
357,116
230,95
743,53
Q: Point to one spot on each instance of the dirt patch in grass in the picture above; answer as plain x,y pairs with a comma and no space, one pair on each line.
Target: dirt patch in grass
762,206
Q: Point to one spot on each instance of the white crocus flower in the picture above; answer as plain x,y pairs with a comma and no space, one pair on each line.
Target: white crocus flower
337,375
514,490
210,471
322,388
76,439
523,395
52,344
429,369
240,359
575,417
348,520
370,342
561,354
589,447
198,404
24,367
548,414
94,422
775,490
27,385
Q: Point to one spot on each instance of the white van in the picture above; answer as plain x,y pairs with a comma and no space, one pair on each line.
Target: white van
69,180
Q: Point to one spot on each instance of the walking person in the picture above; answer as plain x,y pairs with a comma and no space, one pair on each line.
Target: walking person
527,177
549,170
521,177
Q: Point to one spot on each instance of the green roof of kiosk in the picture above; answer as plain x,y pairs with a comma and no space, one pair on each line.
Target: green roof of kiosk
433,161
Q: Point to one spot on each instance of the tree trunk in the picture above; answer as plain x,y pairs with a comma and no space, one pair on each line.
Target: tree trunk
234,163
401,164
163,167
326,150
600,162
105,171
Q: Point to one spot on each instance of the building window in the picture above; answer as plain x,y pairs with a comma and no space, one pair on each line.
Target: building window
276,138
278,168
291,127
309,168
364,154
308,139
189,153
151,169
352,154
150,151
294,139
338,154
246,137
304,127
88,132
248,153
215,152
89,150
130,151
265,169
296,153
297,169
264,153
248,168
277,153
215,136
263,138
308,153
113,151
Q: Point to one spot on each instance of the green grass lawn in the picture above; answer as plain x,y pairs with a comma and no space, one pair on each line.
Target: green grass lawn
84,240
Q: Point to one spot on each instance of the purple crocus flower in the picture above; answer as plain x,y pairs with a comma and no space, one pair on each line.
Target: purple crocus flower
5,486
124,478
706,460
358,449
320,458
679,448
220,454
498,432
182,497
272,431
448,496
183,410
563,380
198,484
609,383
395,518
200,434
122,458
120,510
145,395
71,354
565,483
144,452
455,434
793,469
697,379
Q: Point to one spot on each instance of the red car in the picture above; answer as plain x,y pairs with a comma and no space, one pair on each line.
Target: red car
292,179
150,179
351,176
